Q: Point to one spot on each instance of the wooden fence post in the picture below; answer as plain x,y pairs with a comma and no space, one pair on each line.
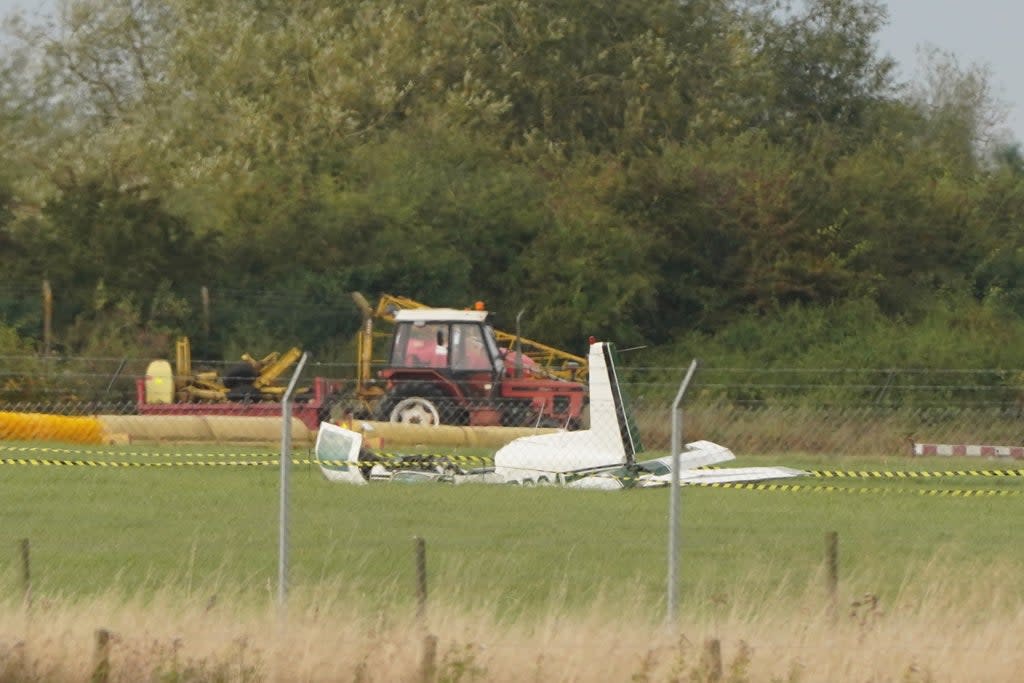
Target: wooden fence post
101,658
832,563
204,294
713,660
47,317
428,665
421,577
26,572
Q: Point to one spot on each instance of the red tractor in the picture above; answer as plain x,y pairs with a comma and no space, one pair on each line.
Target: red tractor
446,367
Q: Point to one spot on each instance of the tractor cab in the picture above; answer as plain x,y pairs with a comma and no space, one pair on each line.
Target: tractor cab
445,339
446,367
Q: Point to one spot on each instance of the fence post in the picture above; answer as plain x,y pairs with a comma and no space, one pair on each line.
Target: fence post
421,577
204,295
101,658
674,497
286,457
832,563
428,665
712,660
26,572
47,317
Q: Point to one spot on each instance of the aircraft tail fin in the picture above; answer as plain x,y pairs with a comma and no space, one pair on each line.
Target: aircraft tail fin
624,416
612,438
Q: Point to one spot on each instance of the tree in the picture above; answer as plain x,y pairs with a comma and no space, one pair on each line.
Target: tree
822,66
97,235
959,112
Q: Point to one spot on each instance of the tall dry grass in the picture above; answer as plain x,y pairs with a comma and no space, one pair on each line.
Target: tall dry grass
831,430
934,629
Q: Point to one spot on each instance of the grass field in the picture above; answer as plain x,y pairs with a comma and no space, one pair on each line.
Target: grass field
512,560
196,520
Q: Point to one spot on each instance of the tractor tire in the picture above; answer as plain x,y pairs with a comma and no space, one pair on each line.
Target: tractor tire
240,375
415,410
418,405
245,393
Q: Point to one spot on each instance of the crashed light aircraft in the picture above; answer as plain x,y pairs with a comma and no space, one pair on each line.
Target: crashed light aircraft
604,456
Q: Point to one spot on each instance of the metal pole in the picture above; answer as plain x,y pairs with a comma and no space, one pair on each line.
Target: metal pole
674,493
286,458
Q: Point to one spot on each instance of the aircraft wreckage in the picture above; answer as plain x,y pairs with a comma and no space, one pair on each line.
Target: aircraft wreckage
604,456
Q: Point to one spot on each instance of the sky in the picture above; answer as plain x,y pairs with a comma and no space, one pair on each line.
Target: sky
977,32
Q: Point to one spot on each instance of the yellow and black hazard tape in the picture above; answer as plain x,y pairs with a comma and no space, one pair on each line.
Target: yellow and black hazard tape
136,454
50,462
266,462
405,459
745,486
428,458
951,493
862,474
434,459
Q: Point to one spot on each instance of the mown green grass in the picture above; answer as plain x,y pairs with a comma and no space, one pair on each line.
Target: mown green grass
200,527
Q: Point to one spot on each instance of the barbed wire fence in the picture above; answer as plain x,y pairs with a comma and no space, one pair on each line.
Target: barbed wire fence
826,411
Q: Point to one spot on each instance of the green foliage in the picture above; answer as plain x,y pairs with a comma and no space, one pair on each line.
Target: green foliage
954,353
119,245
590,273
11,344
20,368
823,66
729,233
633,171
961,334
121,326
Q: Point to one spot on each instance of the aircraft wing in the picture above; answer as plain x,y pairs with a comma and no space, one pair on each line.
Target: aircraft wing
658,472
732,474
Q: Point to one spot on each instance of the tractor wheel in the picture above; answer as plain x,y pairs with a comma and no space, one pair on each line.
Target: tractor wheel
415,410
240,375
244,393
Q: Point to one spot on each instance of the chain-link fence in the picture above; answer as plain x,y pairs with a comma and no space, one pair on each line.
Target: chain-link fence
112,487
823,411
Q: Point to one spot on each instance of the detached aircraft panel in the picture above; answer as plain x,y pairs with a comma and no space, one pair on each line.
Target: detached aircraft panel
337,453
733,474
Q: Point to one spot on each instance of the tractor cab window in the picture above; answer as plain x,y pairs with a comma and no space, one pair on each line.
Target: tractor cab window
421,345
470,350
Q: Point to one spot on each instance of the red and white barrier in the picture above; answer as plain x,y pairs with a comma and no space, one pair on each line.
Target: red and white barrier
1015,452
